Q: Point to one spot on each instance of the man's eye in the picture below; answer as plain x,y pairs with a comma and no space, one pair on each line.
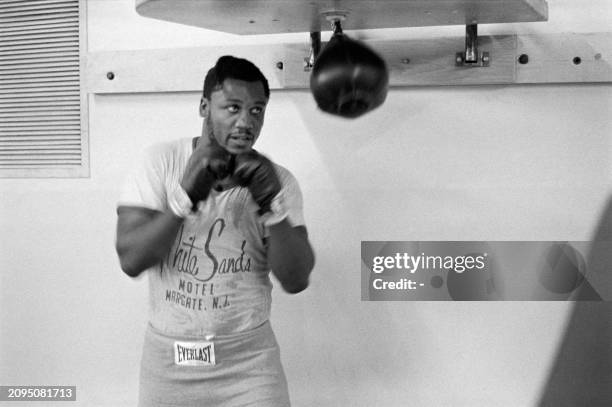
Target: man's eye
256,110
233,108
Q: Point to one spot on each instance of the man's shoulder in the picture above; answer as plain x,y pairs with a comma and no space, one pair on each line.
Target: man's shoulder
287,179
281,169
284,174
168,149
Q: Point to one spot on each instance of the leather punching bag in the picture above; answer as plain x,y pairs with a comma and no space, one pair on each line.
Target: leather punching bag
348,79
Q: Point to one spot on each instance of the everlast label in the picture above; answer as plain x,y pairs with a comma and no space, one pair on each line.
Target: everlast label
194,353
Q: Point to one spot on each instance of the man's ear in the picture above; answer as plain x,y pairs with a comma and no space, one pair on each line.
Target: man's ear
203,107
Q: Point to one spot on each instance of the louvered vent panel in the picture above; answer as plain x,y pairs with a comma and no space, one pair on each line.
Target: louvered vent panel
40,92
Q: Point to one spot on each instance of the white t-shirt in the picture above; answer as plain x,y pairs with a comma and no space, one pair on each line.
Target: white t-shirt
215,277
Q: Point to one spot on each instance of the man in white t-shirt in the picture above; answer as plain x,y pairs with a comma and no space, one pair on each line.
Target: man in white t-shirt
208,218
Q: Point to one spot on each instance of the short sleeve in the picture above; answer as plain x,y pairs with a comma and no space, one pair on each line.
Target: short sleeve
292,196
144,186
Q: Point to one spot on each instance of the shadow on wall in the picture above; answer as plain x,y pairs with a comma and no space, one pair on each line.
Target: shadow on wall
582,372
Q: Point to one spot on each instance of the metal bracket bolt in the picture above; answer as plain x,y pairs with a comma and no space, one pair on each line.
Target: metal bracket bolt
471,57
315,48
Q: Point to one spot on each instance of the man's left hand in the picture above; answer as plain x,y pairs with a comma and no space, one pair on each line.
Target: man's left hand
256,172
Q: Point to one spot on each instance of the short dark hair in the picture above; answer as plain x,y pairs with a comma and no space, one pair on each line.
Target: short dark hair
236,68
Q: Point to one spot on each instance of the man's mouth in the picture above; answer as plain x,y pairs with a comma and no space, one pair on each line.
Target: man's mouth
241,139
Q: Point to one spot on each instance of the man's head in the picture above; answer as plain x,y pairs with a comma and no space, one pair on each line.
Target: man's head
233,103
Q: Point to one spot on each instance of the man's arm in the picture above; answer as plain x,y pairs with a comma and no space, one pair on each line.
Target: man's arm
290,256
144,236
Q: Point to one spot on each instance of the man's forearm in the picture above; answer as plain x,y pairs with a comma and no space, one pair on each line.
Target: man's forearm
143,240
290,256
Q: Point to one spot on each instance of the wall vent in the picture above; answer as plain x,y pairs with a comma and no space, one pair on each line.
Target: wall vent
42,116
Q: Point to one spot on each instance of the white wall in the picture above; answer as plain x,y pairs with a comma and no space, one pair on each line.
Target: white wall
438,163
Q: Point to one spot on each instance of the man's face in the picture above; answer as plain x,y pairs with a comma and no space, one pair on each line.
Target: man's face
235,114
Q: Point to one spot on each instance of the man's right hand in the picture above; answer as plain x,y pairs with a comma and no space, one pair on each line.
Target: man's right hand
208,163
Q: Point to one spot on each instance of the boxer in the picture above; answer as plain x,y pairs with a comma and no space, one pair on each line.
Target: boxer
207,219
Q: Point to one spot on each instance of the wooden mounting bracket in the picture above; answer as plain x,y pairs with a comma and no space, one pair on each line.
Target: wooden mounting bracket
516,59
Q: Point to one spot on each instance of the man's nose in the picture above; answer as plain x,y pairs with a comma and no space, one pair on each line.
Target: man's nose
245,121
